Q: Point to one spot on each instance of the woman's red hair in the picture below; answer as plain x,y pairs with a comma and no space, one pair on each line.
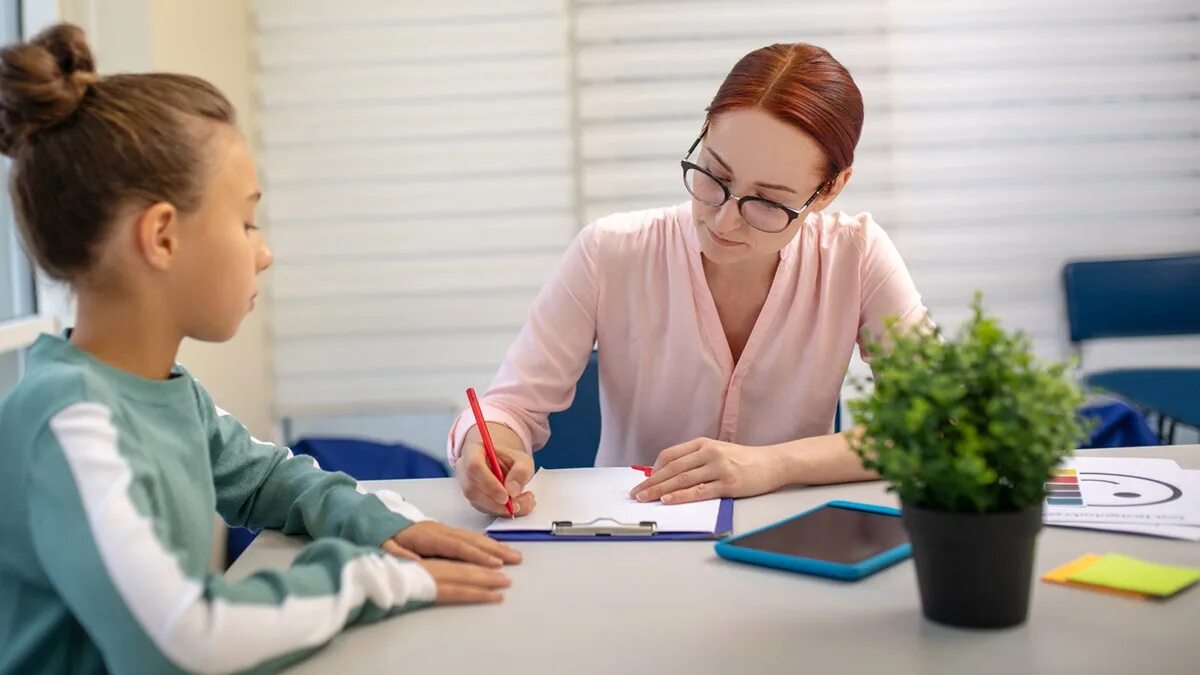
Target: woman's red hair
801,85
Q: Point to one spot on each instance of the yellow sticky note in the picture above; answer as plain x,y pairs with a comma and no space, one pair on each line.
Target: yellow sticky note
1062,574
1131,574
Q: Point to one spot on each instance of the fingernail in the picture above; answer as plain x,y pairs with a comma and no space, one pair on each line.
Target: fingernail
643,495
666,499
516,507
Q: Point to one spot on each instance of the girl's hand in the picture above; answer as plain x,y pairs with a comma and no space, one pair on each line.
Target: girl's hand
431,539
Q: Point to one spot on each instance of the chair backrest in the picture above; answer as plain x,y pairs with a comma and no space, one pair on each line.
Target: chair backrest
575,432
368,460
1133,298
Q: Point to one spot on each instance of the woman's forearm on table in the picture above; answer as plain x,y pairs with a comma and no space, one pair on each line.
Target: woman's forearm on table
823,460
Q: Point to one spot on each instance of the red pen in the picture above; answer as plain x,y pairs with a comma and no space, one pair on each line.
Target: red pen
488,448
644,469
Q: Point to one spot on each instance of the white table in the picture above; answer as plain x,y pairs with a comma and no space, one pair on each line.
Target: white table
675,607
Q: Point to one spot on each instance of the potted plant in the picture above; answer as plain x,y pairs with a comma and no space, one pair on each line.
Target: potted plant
967,431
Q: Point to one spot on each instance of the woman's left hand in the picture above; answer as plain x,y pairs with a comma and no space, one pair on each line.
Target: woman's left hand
706,469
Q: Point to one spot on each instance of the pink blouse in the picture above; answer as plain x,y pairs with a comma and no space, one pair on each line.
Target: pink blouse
633,285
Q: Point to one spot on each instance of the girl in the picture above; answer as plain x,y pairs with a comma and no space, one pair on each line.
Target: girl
139,191
724,324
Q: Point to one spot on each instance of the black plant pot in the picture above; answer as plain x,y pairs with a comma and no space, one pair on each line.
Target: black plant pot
974,570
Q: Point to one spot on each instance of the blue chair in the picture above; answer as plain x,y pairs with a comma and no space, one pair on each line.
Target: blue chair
1116,425
575,432
368,460
1149,297
364,460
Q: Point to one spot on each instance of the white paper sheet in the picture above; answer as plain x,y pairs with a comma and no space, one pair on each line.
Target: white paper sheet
585,495
1129,491
1186,532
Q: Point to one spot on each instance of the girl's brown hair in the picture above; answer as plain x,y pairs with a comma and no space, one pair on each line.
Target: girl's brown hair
84,146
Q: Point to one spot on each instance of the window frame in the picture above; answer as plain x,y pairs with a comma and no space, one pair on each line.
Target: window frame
34,298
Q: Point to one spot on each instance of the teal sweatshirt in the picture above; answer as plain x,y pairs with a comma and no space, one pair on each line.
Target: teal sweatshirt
108,487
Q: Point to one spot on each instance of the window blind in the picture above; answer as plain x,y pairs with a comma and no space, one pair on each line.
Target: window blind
1000,141
426,165
417,165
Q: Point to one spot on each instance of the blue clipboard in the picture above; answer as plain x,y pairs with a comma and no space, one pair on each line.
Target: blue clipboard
613,531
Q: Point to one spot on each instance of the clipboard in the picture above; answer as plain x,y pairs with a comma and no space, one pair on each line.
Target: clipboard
607,529
593,505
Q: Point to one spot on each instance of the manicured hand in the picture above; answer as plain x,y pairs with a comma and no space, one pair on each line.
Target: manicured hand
706,469
481,487
430,539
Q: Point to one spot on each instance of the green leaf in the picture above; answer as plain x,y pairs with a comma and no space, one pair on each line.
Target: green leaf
971,423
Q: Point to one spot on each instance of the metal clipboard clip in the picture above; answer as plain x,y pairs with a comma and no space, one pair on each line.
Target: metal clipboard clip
595,528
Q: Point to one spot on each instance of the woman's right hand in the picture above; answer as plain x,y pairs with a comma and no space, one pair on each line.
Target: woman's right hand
480,487
460,583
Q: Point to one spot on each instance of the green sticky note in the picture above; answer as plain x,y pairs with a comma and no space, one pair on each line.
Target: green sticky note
1131,574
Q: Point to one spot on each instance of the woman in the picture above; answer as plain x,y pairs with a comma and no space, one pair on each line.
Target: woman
724,324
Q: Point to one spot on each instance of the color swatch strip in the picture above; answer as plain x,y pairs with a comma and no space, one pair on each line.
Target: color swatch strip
1063,489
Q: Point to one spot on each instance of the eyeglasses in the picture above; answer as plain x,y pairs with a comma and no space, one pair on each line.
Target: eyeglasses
761,214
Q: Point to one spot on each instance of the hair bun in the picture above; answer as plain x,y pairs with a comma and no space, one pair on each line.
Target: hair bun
42,82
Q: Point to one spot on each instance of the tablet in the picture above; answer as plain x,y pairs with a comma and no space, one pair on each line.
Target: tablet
841,540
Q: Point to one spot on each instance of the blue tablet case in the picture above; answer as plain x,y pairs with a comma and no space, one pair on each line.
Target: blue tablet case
721,528
729,549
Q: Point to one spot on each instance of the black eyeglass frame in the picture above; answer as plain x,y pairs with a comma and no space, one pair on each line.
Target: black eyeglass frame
688,165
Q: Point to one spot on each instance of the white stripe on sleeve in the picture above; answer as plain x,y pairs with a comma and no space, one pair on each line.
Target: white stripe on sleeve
395,503
169,606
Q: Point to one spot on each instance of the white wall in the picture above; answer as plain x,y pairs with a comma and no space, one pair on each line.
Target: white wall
210,40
